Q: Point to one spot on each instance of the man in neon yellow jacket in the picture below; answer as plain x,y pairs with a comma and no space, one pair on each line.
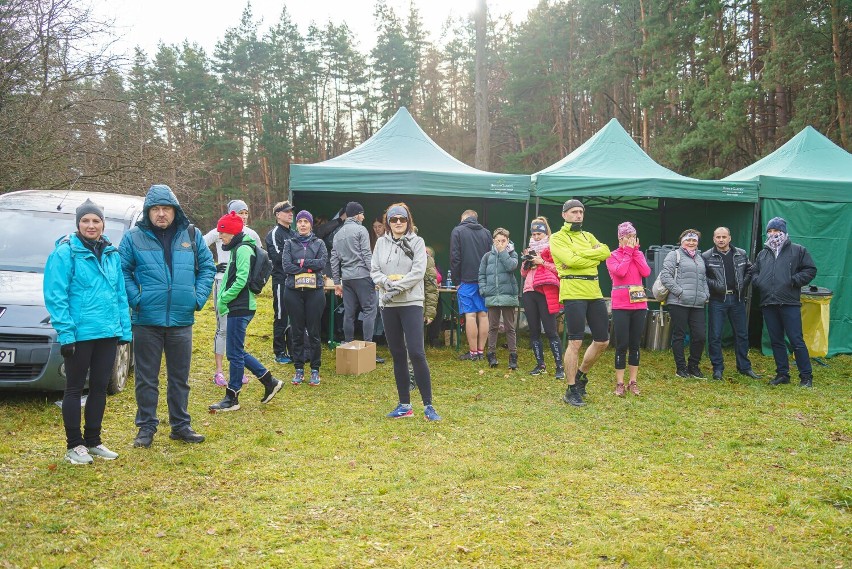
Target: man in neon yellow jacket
577,254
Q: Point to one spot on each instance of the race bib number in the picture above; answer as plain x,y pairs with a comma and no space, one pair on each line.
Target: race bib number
395,277
637,294
305,280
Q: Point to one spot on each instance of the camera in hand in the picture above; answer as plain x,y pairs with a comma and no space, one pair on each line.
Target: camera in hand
528,260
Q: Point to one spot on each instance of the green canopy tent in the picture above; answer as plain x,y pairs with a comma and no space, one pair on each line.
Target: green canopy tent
618,181
401,162
808,182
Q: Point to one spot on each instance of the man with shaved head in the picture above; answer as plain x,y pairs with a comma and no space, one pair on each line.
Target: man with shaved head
728,278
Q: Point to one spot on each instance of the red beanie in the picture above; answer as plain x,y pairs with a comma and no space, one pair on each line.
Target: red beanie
230,223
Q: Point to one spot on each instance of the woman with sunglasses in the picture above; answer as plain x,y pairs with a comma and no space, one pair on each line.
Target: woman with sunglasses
398,268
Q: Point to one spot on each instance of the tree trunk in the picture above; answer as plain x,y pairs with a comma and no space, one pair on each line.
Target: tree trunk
483,128
842,111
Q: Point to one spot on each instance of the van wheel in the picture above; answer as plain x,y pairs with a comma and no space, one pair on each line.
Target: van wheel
120,370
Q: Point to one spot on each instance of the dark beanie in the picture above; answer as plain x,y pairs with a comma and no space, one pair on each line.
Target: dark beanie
87,207
353,209
572,204
777,223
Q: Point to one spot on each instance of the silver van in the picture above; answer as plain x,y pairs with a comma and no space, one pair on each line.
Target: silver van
30,223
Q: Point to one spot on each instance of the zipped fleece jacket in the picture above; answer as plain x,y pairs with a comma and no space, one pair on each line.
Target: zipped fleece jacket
275,240
350,255
498,284
85,297
574,253
309,257
780,280
236,298
160,295
627,266
389,258
469,242
690,288
717,280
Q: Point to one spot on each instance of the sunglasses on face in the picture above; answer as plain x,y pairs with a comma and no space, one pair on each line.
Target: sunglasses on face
398,220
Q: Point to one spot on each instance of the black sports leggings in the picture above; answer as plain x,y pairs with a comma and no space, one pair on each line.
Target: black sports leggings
404,334
538,315
627,329
304,307
95,357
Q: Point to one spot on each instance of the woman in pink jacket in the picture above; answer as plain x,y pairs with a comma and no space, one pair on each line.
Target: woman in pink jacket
541,296
627,267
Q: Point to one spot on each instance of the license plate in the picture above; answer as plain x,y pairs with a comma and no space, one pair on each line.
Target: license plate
7,357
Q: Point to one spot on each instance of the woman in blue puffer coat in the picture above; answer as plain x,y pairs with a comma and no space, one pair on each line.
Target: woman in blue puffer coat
85,297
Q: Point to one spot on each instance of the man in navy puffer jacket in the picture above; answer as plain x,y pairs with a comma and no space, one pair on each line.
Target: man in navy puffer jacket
167,279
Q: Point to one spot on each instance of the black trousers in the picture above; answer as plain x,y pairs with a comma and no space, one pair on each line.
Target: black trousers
404,333
95,358
279,321
304,307
686,319
538,315
628,326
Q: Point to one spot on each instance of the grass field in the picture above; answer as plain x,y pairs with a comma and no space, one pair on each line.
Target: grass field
694,473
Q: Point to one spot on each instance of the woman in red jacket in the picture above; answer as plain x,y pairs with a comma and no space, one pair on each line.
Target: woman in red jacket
541,296
627,267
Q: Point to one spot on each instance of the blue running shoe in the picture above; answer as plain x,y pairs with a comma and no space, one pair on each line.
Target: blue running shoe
299,377
401,411
315,379
431,414
283,359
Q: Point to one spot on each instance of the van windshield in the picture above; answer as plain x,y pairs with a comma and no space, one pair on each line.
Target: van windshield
28,237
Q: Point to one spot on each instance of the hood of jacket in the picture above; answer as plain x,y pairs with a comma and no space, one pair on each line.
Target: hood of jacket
161,194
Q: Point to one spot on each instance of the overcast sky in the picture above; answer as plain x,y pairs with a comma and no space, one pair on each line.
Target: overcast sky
144,23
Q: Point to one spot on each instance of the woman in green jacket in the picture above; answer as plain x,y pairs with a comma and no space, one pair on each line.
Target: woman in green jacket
498,285
236,302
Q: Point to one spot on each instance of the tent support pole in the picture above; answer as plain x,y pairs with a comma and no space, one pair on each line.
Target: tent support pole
755,233
536,205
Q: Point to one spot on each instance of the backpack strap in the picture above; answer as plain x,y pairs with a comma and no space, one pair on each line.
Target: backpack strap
191,230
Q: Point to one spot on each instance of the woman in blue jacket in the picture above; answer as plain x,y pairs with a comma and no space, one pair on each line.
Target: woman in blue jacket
85,296
303,259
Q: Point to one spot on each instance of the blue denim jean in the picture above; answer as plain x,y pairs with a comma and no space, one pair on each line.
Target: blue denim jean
783,319
149,345
236,352
735,310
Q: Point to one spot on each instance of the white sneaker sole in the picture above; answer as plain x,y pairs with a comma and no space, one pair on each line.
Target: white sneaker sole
225,410
76,462
275,390
93,455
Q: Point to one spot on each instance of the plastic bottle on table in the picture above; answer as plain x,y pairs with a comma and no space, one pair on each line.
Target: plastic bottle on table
449,282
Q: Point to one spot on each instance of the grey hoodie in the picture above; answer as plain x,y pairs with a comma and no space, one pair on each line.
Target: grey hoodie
389,258
350,254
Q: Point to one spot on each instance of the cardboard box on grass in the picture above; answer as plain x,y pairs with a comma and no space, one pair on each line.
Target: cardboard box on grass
355,357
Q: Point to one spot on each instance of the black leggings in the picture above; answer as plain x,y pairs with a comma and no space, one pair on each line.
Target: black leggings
687,319
304,307
538,315
404,334
627,329
95,357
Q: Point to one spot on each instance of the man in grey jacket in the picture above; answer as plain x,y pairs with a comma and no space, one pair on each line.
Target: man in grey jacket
350,270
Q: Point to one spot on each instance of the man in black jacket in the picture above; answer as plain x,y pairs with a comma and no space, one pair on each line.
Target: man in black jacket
469,241
275,239
780,271
728,279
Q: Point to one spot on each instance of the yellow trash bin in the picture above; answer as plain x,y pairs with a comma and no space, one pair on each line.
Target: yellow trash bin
816,310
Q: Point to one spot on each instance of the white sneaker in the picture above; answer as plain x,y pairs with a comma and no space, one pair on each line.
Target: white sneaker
78,455
103,452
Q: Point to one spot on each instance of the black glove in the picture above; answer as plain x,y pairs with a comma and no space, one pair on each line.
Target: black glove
220,268
67,350
123,342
